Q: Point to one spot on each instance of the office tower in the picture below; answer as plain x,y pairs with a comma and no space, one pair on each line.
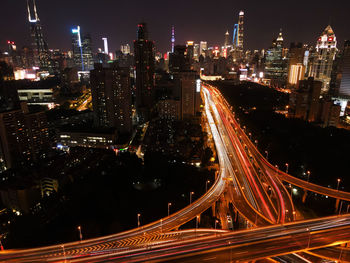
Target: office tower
172,39
144,67
203,47
188,93
196,52
82,50
344,90
125,49
305,100
296,68
14,54
235,36
275,65
322,62
105,45
111,97
40,49
227,39
240,42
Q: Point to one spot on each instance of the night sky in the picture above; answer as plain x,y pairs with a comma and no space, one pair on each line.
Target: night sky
301,20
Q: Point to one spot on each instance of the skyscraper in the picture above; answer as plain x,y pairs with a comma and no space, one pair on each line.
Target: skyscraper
240,42
172,39
322,62
344,90
227,39
82,50
40,49
111,97
203,46
144,66
296,68
275,66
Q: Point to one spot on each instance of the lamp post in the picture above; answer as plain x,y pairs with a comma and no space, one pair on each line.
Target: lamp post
267,155
308,243
216,221
338,184
197,219
80,234
64,253
308,176
161,226
287,167
206,185
138,220
256,143
169,204
191,193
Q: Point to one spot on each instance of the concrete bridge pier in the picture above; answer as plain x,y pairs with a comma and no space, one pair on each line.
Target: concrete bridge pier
337,202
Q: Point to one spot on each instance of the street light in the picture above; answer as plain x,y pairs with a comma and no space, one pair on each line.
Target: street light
267,155
287,167
216,221
338,184
197,218
169,204
191,193
206,185
308,243
64,253
308,176
138,220
80,234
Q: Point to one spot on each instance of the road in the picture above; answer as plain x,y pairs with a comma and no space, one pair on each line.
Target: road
240,246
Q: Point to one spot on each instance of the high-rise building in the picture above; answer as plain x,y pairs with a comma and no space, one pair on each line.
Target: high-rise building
40,48
344,90
105,45
125,49
172,39
275,65
240,42
111,97
144,66
305,100
82,50
190,50
227,39
322,62
179,60
188,93
296,68
23,136
203,47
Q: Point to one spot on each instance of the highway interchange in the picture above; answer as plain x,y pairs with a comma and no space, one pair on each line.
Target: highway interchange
254,187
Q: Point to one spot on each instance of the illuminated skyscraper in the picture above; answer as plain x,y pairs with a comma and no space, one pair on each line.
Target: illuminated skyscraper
144,66
296,68
322,61
275,65
240,41
40,49
203,46
82,51
172,39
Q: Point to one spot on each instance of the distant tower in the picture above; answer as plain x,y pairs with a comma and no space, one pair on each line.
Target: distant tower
172,39
235,36
82,50
240,40
40,49
105,43
227,39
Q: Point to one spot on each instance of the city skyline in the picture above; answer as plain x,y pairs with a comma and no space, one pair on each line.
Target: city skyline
119,27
